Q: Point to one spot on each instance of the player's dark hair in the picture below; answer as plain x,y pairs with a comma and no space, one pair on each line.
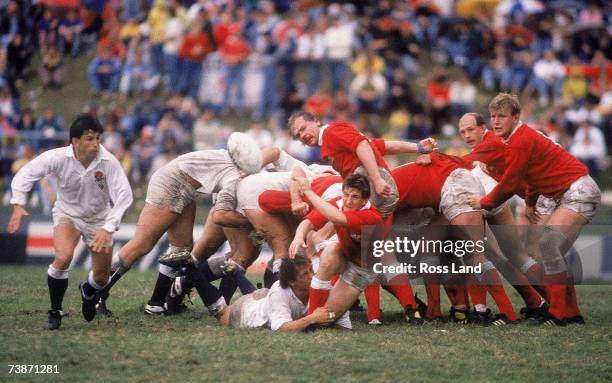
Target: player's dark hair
359,182
288,269
83,123
307,116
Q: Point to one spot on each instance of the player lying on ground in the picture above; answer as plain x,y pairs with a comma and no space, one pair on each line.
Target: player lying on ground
89,180
546,169
280,308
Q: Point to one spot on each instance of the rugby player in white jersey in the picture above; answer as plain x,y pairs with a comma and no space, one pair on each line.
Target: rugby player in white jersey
171,199
90,179
283,307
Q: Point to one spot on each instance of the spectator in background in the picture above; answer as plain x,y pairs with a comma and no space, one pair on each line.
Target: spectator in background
112,44
548,78
291,102
369,89
208,132
343,109
338,42
143,151
266,54
104,72
18,57
518,74
137,75
319,104
12,22
193,50
52,70
26,124
260,134
70,29
494,68
169,126
112,139
419,128
9,107
173,34
462,95
234,51
575,85
439,100
589,146
157,19
167,153
400,94
48,28
50,130
310,52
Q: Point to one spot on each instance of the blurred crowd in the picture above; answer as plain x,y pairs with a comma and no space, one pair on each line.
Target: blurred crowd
170,76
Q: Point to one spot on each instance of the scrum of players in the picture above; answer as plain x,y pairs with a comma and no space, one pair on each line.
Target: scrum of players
311,217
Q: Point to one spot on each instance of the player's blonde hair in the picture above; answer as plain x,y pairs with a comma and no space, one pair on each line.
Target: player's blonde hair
505,101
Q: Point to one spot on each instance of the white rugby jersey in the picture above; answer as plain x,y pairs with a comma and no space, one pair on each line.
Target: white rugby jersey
83,193
215,170
278,307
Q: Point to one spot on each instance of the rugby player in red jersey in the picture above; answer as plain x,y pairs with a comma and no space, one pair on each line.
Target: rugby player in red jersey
548,170
444,185
348,214
488,149
349,151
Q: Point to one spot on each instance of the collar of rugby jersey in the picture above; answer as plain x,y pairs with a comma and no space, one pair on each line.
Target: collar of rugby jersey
102,155
340,203
321,133
518,125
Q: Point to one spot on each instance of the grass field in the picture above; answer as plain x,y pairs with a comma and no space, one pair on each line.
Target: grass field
132,347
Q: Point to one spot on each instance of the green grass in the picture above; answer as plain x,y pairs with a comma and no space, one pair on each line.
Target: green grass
191,347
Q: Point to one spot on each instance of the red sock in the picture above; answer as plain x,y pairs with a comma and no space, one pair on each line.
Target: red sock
400,287
477,291
456,295
535,274
372,296
318,294
497,291
521,284
571,301
432,287
556,293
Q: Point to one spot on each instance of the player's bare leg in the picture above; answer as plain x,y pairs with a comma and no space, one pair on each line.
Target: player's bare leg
560,232
341,298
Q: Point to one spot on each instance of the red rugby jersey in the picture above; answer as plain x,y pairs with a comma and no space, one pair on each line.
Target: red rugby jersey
349,236
539,163
339,147
491,152
421,185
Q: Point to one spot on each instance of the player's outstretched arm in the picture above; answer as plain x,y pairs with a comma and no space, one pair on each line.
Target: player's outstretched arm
426,145
320,316
18,213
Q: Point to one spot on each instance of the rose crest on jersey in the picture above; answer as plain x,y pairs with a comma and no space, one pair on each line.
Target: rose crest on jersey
100,179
